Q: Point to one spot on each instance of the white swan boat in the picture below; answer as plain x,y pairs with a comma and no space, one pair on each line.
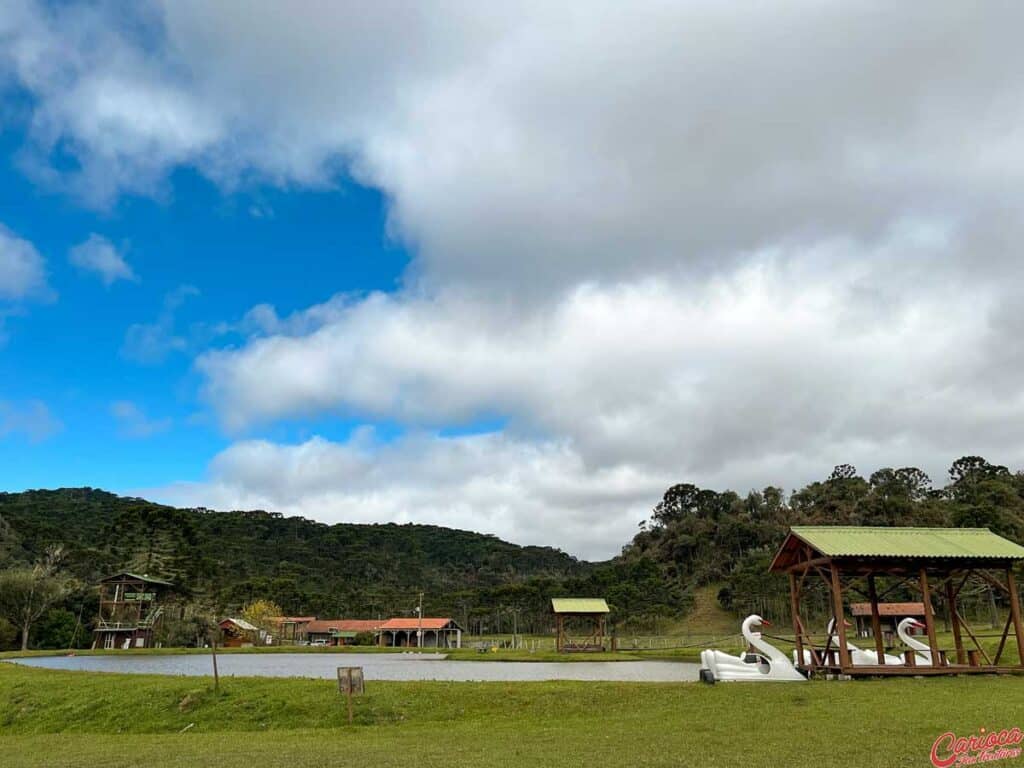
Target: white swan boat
923,655
858,656
767,663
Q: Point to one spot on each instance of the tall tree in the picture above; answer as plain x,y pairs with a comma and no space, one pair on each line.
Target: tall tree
28,593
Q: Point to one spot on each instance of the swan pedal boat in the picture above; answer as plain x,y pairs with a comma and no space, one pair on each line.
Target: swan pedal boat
767,663
861,658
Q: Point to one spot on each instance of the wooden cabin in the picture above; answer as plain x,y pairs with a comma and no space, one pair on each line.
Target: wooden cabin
239,633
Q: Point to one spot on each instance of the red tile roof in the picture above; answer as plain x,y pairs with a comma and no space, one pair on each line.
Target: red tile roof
320,626
888,609
414,623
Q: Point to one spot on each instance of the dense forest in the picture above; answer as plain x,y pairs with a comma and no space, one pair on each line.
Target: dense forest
695,537
223,560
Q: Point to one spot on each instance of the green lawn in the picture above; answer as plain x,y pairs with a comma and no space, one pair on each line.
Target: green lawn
50,718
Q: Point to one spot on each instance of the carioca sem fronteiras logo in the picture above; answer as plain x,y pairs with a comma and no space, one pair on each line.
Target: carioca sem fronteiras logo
982,747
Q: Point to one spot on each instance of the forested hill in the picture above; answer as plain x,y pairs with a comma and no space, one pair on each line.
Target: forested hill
228,558
223,560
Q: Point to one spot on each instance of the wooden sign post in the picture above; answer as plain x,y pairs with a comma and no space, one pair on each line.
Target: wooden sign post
350,682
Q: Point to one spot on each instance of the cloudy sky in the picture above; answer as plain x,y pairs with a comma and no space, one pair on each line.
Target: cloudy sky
510,267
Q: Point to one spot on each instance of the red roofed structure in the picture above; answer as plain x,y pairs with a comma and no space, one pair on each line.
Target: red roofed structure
405,633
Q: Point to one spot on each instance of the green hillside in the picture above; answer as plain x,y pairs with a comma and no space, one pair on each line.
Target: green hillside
222,560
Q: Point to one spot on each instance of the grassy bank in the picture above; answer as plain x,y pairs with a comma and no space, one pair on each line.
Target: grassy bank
50,718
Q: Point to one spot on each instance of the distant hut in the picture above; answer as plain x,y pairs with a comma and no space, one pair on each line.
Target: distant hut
239,633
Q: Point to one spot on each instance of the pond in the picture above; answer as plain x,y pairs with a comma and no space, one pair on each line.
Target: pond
376,666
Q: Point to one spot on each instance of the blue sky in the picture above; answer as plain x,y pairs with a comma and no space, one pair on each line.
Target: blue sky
510,268
223,252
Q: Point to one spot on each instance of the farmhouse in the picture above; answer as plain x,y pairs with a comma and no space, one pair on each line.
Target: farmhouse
416,632
130,611
338,631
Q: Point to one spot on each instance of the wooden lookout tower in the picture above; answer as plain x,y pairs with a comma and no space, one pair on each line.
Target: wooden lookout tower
580,623
873,562
130,609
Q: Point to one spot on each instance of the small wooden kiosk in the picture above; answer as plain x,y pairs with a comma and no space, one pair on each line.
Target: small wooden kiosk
590,613
937,562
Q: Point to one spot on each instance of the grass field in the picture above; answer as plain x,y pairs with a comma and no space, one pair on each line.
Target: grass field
50,718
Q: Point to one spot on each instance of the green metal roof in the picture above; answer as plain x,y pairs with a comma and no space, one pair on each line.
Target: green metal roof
857,541
579,605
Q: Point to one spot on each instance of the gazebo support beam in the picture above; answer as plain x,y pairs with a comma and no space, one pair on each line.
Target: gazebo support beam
837,603
876,620
1018,623
929,617
794,610
954,620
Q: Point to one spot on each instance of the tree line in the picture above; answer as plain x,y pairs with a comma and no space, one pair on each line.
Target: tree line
56,545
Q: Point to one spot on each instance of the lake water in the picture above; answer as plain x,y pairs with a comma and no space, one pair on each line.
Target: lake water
376,666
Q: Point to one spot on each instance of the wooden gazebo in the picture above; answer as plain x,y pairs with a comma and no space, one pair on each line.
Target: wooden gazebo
590,612
937,562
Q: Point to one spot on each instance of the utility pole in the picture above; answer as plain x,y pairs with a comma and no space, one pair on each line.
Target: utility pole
419,630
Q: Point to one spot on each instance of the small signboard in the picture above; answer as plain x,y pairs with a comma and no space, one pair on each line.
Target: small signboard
350,683
350,680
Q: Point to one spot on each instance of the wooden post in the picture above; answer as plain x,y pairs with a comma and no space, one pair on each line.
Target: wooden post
1018,624
213,653
794,610
349,671
876,621
954,620
929,618
837,603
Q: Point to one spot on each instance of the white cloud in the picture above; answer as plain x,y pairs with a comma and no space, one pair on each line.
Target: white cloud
134,423
529,492
97,254
31,419
657,241
22,268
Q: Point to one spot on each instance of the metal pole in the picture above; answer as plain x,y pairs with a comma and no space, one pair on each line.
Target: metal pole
419,630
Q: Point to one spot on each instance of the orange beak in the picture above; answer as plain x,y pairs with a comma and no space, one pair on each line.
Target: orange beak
765,623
